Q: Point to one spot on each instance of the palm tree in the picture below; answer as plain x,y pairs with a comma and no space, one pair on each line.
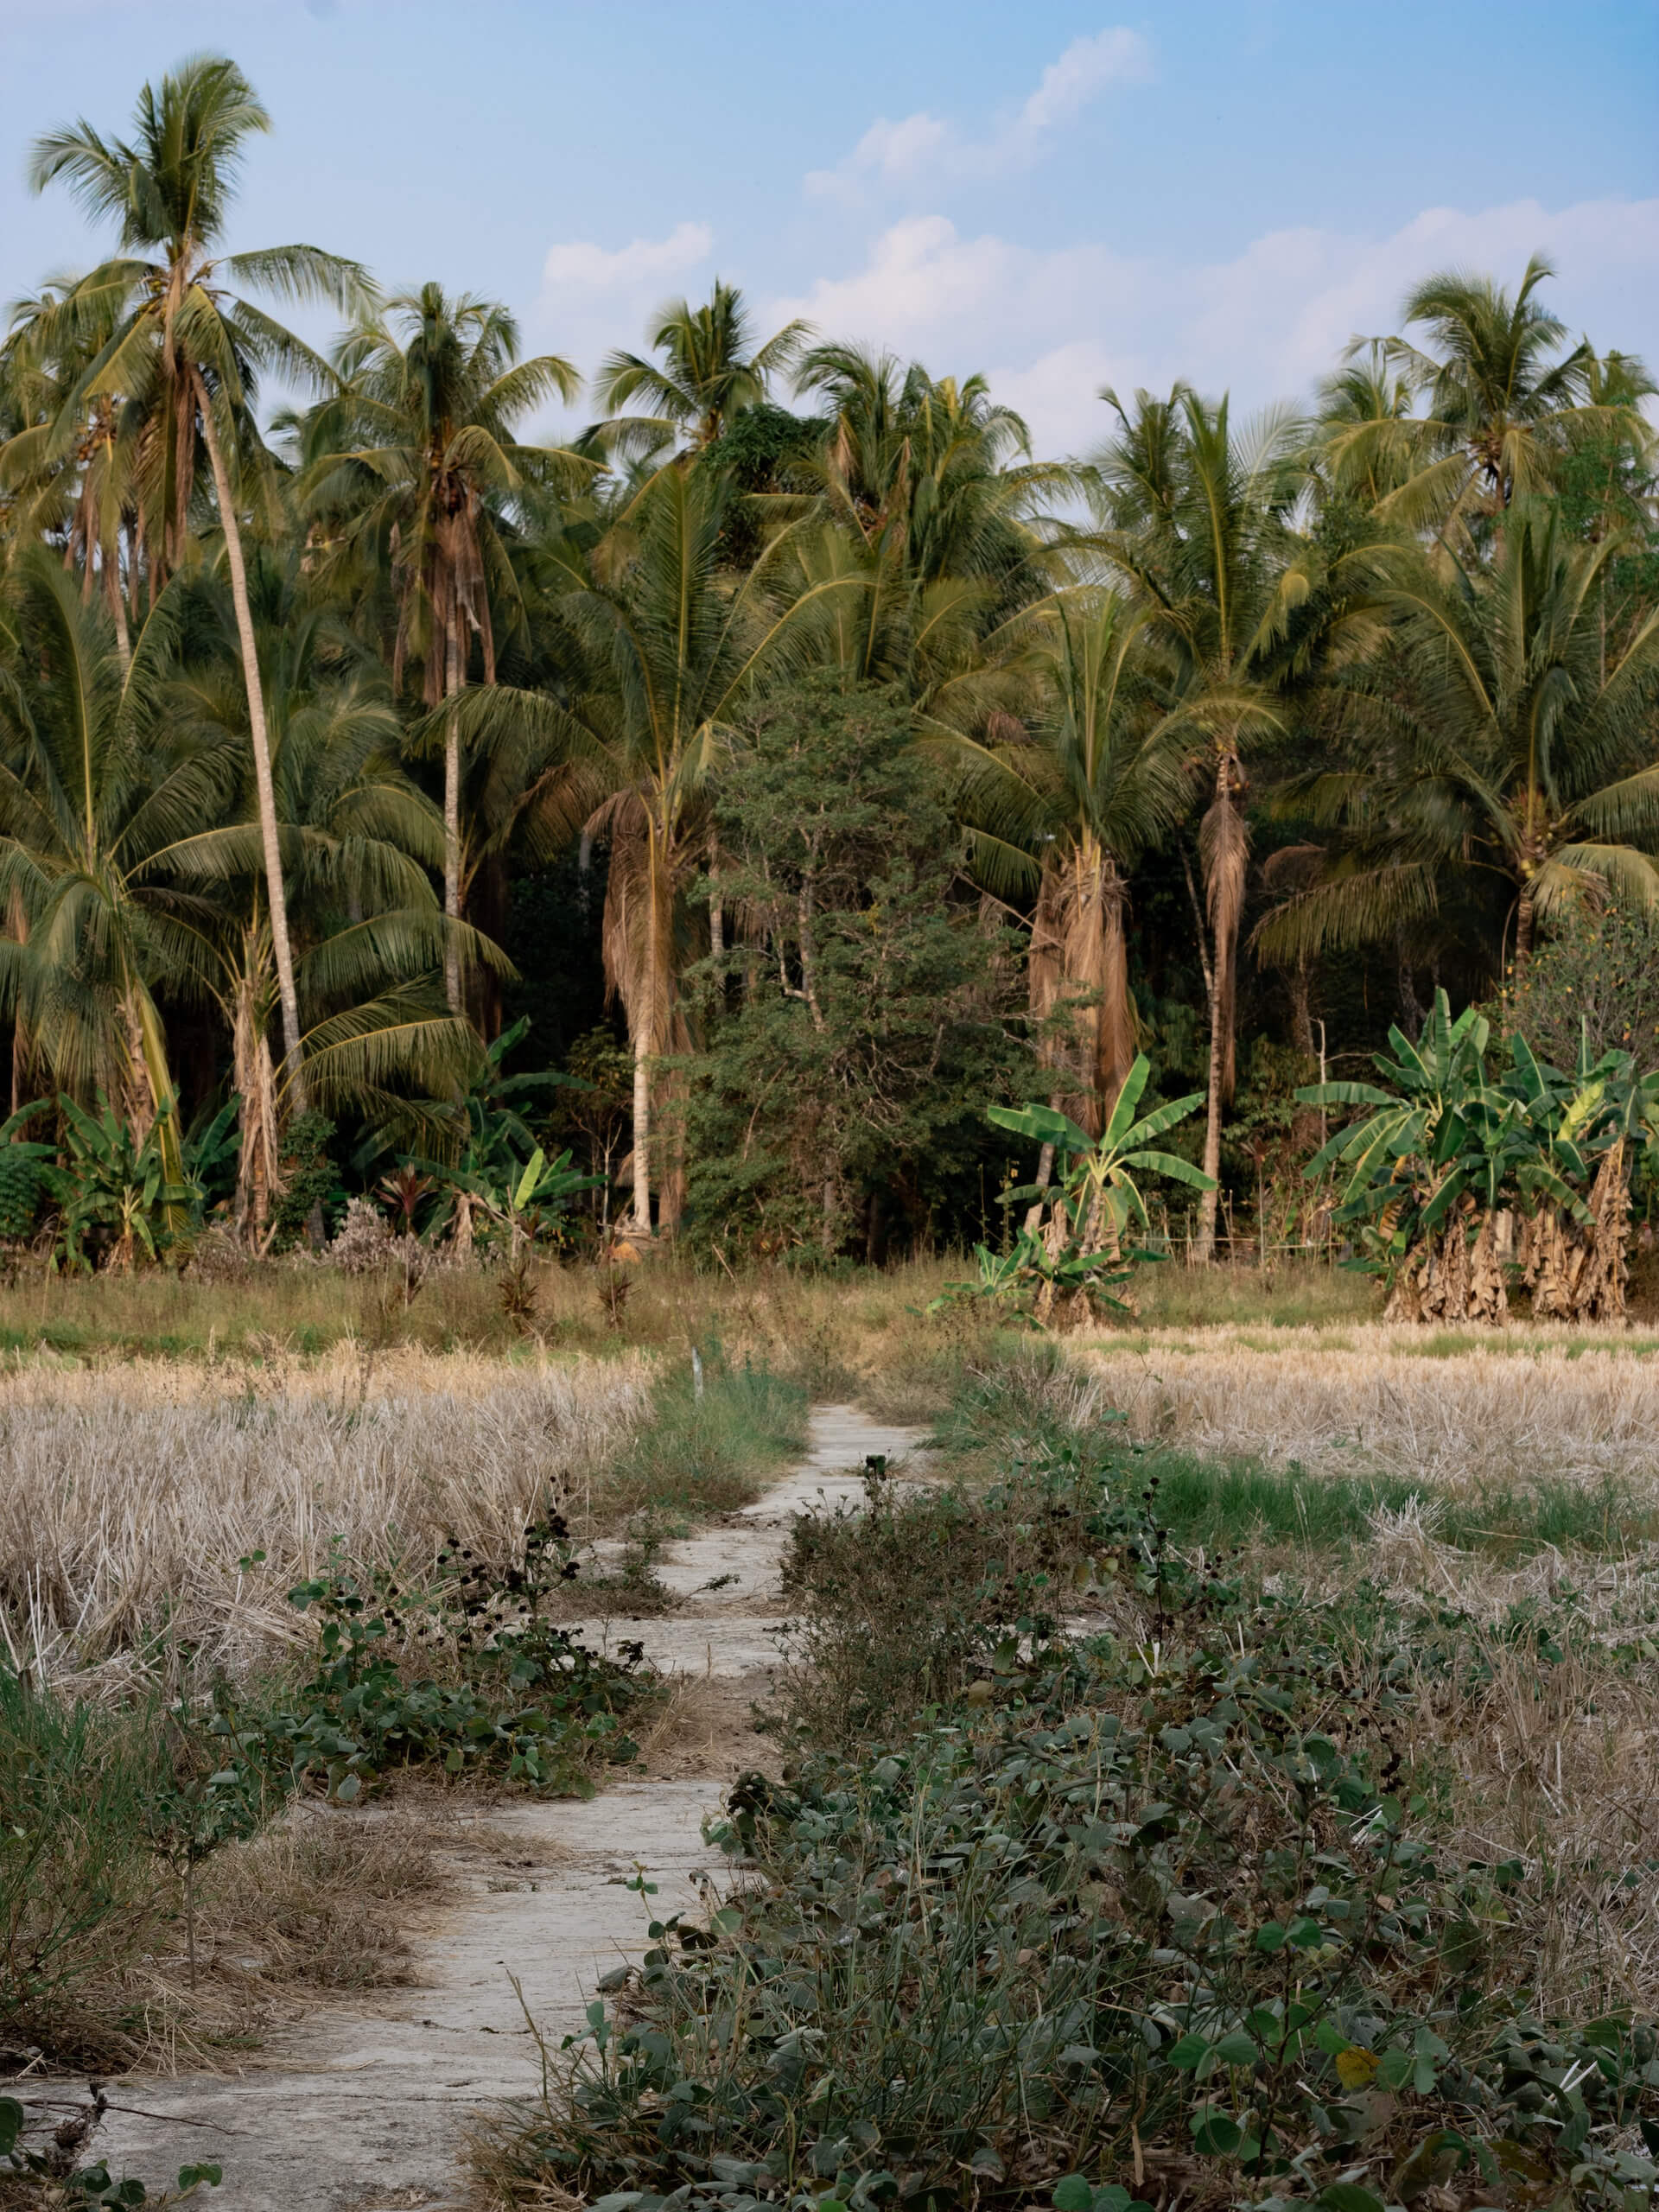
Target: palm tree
931,494
1063,812
359,838
1499,733
67,473
189,351
1502,401
100,804
420,442
673,650
710,370
1199,521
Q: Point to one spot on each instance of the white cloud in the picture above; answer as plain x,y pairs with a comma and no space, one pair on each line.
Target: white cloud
920,145
581,266
1052,325
595,297
891,153
1088,66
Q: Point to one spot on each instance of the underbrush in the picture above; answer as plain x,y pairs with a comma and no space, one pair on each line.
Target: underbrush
114,1813
1220,1903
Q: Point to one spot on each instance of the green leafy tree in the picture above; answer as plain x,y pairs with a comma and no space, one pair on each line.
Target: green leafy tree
1198,518
1061,808
671,653
360,842
851,1029
1493,729
1504,399
101,806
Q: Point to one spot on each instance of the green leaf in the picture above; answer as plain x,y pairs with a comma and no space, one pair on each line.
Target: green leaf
1190,2051
1127,1099
1073,2193
1164,1118
1214,2133
1169,1163
1344,1094
1043,1123
1349,2196
11,2124
1238,2049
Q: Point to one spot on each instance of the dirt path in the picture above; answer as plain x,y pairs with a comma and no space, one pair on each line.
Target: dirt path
357,2109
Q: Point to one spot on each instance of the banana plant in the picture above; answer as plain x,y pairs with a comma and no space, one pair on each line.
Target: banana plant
1596,1125
520,1199
1081,1257
116,1183
1425,1176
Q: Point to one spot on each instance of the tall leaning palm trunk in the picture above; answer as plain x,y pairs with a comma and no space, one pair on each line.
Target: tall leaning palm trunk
176,326
270,837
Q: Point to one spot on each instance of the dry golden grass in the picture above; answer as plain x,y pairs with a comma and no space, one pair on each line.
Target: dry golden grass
128,1500
1518,1410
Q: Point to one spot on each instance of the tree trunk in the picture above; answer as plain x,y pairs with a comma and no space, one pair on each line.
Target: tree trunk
1524,926
258,1164
716,904
274,890
1223,850
452,683
489,910
1114,1028
642,1126
1205,1249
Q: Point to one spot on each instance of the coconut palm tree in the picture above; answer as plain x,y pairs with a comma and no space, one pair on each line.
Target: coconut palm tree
187,350
934,496
1063,809
710,370
1503,398
66,475
100,802
1198,521
420,441
1499,733
360,841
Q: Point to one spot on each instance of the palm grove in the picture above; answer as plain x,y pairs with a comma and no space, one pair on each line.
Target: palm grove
811,765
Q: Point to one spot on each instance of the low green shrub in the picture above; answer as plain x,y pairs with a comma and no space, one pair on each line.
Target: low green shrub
79,1886
467,1673
1173,1910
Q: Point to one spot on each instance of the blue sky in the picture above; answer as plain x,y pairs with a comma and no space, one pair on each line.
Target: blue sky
1061,195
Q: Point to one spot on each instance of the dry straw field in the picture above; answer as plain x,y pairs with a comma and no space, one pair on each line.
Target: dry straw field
156,1497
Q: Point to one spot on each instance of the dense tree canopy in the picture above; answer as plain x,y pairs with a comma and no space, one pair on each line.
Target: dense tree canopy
814,762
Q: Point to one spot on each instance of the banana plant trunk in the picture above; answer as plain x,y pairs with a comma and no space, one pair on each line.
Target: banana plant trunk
276,890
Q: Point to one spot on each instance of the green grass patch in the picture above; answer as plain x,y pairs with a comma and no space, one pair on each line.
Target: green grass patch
1227,1507
714,1451
1032,1401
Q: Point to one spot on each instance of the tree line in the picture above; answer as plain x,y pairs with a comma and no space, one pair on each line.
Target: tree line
876,768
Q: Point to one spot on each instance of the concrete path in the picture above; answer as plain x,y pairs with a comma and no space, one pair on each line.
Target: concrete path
362,2108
